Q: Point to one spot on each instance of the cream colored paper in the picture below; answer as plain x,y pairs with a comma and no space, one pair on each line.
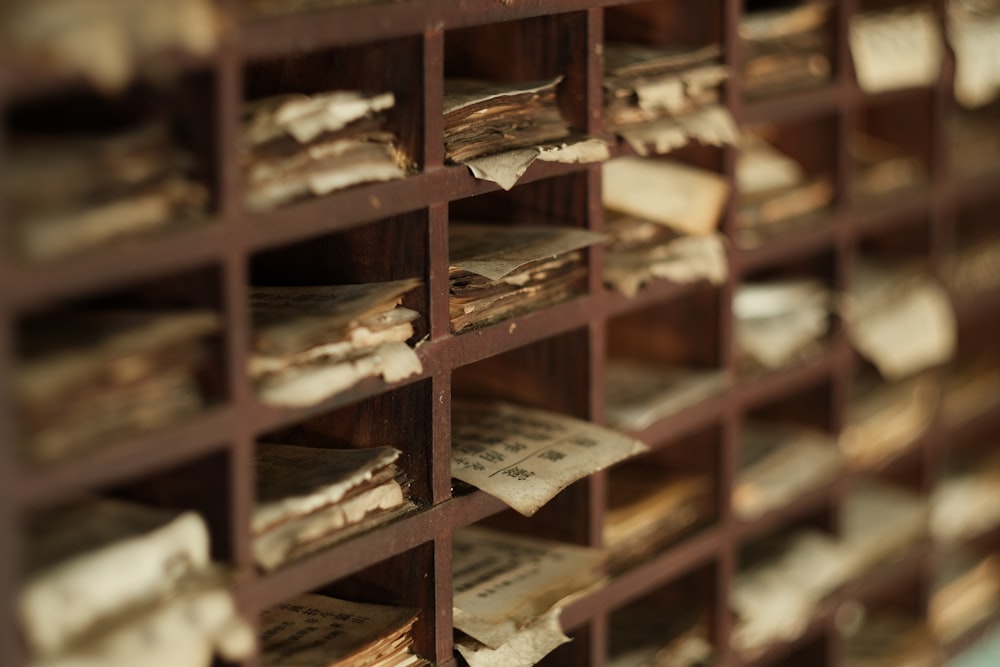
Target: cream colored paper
641,393
495,251
977,59
964,597
713,125
464,93
761,168
506,168
885,420
879,522
525,456
684,198
686,259
966,504
305,117
777,322
96,560
897,49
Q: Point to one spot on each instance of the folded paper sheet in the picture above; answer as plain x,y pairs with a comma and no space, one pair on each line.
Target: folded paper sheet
901,48
525,456
640,393
779,323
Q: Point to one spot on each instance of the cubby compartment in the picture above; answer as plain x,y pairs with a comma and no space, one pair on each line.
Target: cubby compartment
972,268
788,46
314,124
659,499
660,361
964,499
784,314
675,23
892,148
335,311
787,455
974,141
972,383
353,616
96,371
786,178
964,594
671,624
85,172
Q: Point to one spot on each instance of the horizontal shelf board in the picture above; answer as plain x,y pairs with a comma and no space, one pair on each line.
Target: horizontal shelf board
809,240
127,459
859,98
890,213
670,430
674,563
987,423
337,211
756,389
973,189
658,292
24,284
799,507
469,508
825,100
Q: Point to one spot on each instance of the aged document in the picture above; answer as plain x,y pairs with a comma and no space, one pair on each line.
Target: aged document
509,591
879,522
640,393
786,47
320,631
966,592
886,639
973,32
886,419
779,323
643,251
966,502
902,48
644,635
507,167
496,251
525,456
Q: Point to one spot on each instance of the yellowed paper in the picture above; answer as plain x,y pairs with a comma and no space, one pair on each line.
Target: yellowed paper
525,456
966,503
687,199
885,420
532,643
713,125
464,93
641,393
495,251
506,168
974,37
897,49
777,323
306,117
965,597
686,259
761,168
879,522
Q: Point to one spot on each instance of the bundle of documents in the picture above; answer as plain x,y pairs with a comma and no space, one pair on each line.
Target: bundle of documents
779,462
779,323
966,503
879,523
899,317
649,508
882,168
499,129
106,41
644,635
786,48
890,640
886,419
972,388
775,191
974,267
309,498
662,216
525,456
296,146
113,584
497,272
896,48
67,194
966,592
975,141
509,592
662,98
640,393
94,377
321,631
311,343
973,32
775,595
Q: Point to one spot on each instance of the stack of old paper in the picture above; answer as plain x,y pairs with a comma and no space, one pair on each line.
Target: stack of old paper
311,497
882,168
113,584
509,592
899,317
780,322
779,462
973,32
499,129
497,271
295,146
886,419
886,639
640,393
776,592
311,343
786,47
966,503
320,631
974,267
648,508
647,635
966,592
879,523
662,98
94,377
106,41
972,388
67,194
775,191
525,456
897,48
662,216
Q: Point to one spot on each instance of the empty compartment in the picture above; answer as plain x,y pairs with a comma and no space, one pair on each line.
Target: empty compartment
891,148
671,625
111,170
331,312
314,124
96,371
664,359
787,45
660,498
785,176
